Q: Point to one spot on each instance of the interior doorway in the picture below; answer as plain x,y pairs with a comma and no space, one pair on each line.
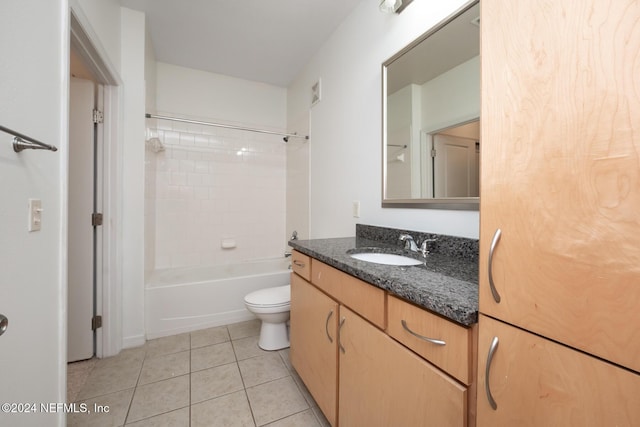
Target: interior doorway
88,62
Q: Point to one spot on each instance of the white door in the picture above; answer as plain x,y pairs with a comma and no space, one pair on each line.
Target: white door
80,342
455,166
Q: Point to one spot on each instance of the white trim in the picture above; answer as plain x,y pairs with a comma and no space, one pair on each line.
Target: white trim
112,341
133,341
65,75
109,291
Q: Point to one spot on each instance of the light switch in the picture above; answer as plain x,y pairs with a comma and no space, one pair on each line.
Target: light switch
356,209
35,214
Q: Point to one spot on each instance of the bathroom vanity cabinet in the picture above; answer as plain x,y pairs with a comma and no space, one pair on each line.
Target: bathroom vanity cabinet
559,253
362,370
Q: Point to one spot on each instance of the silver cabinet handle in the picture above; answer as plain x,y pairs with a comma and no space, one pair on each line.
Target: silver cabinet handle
326,326
4,323
298,263
487,370
492,286
431,340
339,340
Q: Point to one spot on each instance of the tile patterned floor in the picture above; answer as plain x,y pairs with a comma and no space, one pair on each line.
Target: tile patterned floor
212,377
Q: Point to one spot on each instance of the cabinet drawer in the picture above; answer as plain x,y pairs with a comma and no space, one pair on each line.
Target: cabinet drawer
301,264
454,356
363,298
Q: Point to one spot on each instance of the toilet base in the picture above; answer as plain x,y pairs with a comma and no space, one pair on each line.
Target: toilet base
273,336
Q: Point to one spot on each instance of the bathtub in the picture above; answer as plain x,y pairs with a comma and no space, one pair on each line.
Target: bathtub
185,299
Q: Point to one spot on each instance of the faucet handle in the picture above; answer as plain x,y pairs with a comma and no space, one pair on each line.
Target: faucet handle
424,247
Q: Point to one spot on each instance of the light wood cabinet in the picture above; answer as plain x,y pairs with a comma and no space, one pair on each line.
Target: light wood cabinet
450,347
313,334
384,384
381,382
560,180
561,171
301,265
537,382
361,297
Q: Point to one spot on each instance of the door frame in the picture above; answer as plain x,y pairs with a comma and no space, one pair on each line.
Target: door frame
109,247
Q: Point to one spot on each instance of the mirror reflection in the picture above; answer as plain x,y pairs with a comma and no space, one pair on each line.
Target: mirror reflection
431,104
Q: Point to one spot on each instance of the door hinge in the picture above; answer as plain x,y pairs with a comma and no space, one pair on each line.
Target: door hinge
98,116
96,219
96,322
433,152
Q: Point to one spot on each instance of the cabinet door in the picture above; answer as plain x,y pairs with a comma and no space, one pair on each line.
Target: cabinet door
560,169
384,384
537,382
313,351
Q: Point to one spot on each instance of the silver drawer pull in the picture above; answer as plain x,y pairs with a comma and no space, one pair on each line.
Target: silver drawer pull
487,370
326,326
431,340
494,243
4,323
339,336
298,263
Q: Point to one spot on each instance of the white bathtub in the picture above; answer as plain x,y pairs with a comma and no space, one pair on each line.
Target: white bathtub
185,299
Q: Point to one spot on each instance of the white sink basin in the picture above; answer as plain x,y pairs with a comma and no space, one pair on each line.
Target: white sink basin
387,259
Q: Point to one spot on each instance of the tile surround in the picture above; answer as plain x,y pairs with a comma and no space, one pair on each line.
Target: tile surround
212,377
210,184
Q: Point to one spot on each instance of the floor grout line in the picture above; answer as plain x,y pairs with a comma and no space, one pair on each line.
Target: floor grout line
164,349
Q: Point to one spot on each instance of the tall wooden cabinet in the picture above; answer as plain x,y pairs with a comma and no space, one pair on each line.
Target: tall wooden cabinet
560,212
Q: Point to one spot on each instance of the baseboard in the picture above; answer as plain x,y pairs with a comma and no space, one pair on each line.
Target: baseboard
167,327
133,341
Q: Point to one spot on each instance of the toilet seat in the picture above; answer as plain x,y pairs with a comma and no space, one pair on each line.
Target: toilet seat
279,296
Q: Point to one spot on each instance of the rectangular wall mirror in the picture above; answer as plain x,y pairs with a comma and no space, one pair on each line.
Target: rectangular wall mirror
431,110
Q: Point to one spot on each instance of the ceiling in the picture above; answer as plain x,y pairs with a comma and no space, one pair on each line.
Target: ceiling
452,44
268,41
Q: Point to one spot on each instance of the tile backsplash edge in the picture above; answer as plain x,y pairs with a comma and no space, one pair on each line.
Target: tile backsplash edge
458,247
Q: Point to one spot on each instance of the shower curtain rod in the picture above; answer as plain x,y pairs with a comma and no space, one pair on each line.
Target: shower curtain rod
221,125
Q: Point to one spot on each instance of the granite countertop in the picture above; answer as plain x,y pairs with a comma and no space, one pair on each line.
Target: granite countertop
445,285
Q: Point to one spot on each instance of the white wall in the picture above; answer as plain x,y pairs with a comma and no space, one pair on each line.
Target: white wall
104,18
452,97
150,161
132,49
400,124
216,97
34,80
345,154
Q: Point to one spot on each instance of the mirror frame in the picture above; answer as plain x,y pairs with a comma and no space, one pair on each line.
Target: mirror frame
453,203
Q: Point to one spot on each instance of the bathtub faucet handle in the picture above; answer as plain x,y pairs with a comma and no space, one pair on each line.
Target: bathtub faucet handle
294,235
287,254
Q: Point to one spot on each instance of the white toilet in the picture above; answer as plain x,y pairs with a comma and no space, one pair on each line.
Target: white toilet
271,306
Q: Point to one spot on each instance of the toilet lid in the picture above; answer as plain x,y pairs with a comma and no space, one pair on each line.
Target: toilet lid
280,295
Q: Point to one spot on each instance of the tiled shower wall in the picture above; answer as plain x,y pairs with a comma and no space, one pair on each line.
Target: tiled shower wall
212,186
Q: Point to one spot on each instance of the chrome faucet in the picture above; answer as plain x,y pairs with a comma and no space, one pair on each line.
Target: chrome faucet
424,248
409,243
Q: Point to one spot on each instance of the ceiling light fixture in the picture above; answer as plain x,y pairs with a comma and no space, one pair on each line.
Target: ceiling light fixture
393,6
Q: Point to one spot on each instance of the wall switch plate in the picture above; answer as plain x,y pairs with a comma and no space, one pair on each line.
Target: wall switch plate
356,209
35,214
